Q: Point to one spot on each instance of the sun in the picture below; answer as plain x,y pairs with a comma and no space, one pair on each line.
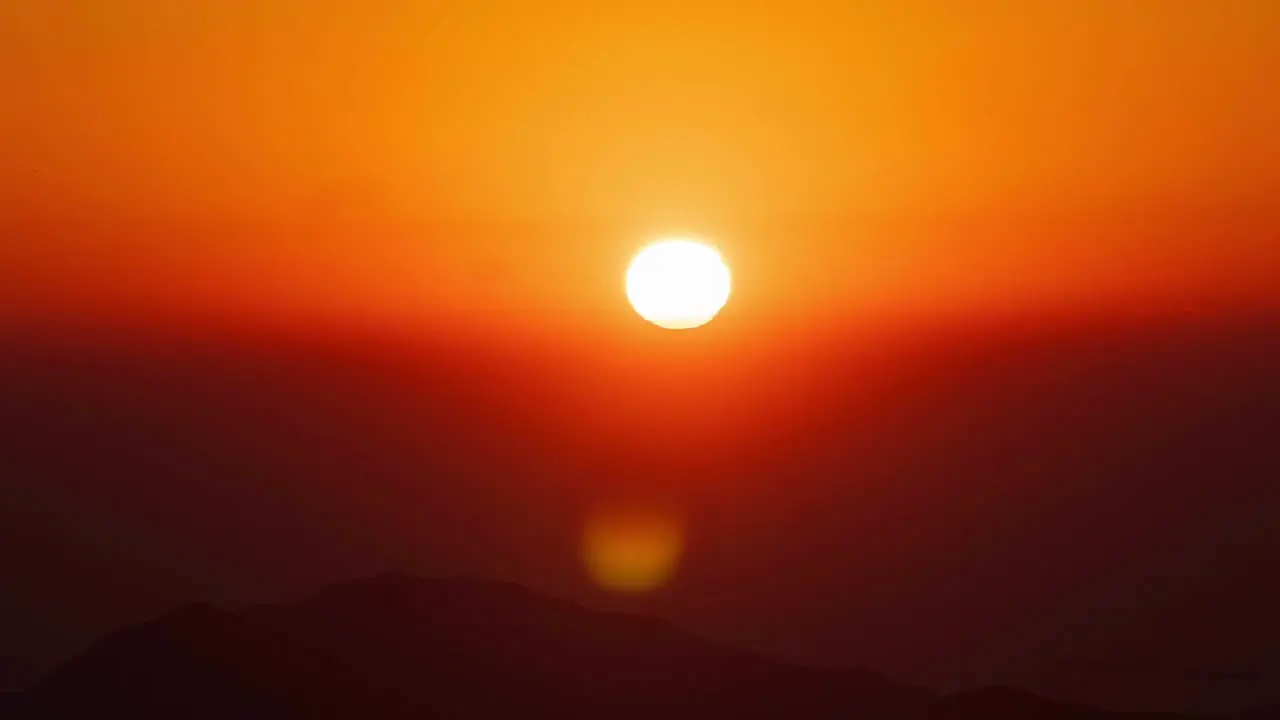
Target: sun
678,284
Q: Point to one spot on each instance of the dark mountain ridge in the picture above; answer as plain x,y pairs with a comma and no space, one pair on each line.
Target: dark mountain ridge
399,646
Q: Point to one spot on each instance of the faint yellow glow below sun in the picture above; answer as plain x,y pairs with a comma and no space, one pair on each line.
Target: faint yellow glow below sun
631,551
678,284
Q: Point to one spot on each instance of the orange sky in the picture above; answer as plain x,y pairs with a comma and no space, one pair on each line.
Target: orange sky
409,159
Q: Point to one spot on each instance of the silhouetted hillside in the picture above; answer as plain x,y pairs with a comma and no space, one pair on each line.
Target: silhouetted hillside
398,646
16,706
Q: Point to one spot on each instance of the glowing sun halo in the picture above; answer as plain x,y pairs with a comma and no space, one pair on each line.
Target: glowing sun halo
632,550
678,284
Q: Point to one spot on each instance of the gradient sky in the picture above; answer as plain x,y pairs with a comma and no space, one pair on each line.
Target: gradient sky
503,160
957,502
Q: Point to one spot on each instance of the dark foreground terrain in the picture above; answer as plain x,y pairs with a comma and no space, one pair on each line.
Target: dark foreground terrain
399,646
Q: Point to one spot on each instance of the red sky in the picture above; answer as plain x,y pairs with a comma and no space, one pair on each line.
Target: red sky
496,161
976,491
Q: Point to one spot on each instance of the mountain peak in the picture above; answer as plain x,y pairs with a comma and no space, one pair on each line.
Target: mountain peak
396,646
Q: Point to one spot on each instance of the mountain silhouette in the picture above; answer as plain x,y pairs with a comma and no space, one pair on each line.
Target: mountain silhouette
16,706
399,646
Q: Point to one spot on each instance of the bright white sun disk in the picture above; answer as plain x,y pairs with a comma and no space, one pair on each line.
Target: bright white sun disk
678,284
